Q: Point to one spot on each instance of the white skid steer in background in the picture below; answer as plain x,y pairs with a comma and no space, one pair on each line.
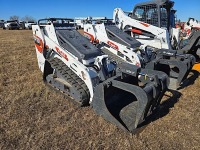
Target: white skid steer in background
145,33
193,24
153,23
127,48
191,40
123,48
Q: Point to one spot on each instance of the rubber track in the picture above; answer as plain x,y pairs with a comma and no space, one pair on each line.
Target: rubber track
67,74
112,56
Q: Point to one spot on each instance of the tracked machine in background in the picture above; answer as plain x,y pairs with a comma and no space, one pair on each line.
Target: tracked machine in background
123,48
123,94
144,32
188,27
104,34
191,37
153,23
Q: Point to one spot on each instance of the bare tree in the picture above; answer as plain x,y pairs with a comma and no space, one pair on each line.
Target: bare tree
28,18
14,17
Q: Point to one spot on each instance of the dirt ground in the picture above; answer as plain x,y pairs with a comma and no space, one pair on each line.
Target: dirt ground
32,116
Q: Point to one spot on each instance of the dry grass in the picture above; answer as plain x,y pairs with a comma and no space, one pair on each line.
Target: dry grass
34,117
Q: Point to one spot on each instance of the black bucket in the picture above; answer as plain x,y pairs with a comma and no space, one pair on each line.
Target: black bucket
124,104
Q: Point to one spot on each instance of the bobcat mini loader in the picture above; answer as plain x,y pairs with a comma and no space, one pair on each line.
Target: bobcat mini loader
123,94
122,47
153,23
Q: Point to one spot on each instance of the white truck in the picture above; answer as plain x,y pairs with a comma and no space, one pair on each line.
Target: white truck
11,25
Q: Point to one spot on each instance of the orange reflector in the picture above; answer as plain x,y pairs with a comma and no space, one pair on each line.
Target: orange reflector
196,67
144,24
136,31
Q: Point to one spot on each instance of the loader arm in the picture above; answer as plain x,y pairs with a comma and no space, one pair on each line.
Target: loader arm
142,30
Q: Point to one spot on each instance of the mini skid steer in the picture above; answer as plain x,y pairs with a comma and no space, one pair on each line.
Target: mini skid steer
123,94
124,48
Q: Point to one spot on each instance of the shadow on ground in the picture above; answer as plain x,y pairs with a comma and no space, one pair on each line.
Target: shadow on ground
190,80
162,110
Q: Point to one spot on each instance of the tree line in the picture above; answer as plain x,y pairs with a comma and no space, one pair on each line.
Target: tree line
25,18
